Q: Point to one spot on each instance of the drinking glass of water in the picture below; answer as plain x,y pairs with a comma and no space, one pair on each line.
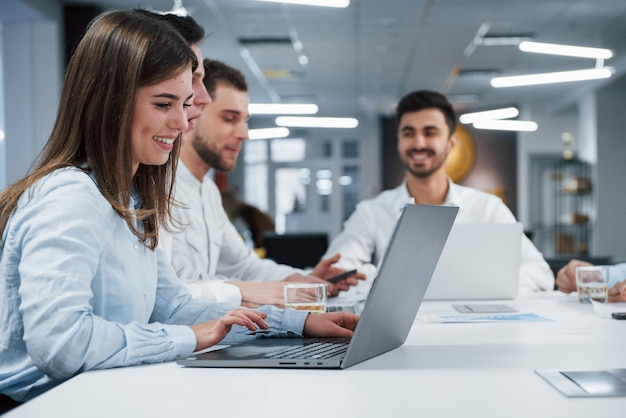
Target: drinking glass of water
306,296
592,283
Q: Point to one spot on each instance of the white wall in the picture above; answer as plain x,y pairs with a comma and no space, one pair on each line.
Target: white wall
586,145
32,68
611,170
370,129
545,140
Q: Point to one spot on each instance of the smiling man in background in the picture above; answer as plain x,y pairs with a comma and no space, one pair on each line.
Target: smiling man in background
426,136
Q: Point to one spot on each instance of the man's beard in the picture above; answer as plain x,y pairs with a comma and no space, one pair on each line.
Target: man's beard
424,173
210,156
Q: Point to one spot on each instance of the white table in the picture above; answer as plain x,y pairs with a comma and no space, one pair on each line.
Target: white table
443,370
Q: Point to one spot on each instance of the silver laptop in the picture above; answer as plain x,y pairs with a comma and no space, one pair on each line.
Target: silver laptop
393,302
479,261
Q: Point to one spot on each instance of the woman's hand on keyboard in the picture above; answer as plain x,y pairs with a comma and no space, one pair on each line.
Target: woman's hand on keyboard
334,324
211,332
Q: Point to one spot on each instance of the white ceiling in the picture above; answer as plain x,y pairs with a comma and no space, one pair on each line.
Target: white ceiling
363,58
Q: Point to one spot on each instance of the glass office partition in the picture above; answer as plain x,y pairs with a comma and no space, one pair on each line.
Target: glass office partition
306,186
256,177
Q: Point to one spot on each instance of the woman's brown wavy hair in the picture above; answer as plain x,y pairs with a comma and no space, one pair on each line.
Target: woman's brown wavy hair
120,52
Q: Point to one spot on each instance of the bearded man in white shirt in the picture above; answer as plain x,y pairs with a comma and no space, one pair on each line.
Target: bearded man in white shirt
426,136
209,255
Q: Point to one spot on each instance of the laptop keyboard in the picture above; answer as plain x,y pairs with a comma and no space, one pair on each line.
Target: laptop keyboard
318,348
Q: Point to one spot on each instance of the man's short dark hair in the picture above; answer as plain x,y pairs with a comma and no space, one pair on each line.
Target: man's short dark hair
216,71
185,25
425,99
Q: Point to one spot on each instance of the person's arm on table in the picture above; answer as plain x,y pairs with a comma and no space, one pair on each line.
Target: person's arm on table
245,268
214,290
566,276
247,271
617,282
335,324
211,321
326,269
255,294
617,293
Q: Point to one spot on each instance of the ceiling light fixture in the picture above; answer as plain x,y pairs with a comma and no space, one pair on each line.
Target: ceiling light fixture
504,113
565,50
502,40
282,109
323,3
268,133
316,122
507,125
548,78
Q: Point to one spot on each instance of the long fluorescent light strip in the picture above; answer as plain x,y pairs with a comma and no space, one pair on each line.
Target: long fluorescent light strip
282,109
549,78
504,113
268,133
315,122
565,50
502,40
506,125
323,3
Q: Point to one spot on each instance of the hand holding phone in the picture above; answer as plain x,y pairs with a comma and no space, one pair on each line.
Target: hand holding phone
341,276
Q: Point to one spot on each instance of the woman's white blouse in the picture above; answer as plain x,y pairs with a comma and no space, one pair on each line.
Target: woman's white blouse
78,291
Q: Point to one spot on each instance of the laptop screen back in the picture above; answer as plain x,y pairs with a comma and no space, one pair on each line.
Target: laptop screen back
402,280
479,261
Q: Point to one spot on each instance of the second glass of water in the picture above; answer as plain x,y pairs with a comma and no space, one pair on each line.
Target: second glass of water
592,283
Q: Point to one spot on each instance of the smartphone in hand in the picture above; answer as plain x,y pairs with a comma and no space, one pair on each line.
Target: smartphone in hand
341,276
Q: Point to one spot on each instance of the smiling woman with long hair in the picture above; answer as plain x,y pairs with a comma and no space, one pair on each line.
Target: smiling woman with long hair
82,285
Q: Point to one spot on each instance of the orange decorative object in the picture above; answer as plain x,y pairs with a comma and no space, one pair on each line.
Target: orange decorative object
462,158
